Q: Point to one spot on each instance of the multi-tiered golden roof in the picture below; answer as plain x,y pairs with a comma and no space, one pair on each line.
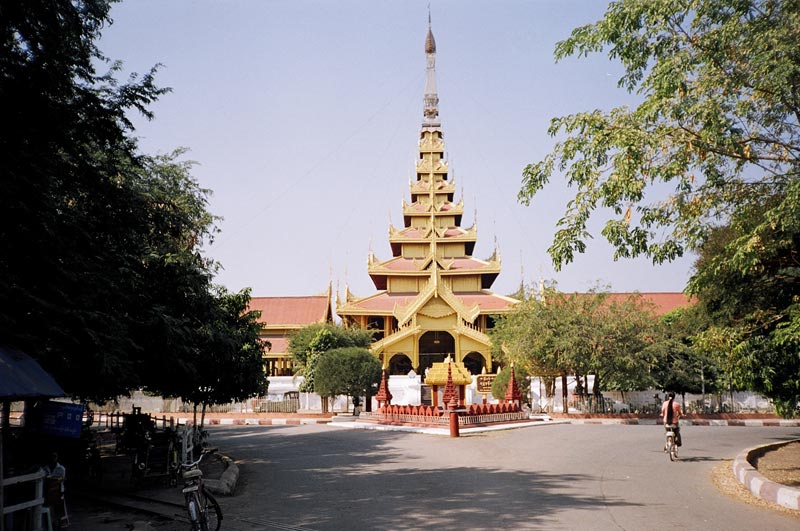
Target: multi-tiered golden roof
434,299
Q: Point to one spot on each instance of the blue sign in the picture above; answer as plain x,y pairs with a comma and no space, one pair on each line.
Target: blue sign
61,419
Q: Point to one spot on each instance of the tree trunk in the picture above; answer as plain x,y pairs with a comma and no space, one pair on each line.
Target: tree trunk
203,416
564,392
599,404
368,404
549,387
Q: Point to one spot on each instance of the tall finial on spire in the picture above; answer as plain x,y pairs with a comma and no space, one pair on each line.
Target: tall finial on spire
431,96
430,43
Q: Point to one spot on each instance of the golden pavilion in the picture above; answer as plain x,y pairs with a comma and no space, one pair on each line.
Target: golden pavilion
434,299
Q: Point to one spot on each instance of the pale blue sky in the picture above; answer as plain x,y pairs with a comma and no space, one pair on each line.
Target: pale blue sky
304,117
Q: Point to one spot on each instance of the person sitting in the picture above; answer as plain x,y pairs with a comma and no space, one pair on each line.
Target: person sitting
55,474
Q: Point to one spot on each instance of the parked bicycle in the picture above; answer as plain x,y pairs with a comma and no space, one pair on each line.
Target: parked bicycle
204,512
670,446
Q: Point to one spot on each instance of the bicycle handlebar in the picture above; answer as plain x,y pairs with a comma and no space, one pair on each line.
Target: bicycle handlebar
204,453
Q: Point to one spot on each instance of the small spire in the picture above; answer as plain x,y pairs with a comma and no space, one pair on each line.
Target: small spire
431,96
450,394
512,391
430,42
384,397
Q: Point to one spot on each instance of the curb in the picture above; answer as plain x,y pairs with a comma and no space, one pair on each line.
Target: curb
752,423
356,425
259,422
226,484
762,487
755,423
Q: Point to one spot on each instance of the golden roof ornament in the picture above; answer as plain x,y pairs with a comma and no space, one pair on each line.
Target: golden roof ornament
430,43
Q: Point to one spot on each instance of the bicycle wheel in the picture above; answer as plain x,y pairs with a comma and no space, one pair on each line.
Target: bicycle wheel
212,513
673,453
671,447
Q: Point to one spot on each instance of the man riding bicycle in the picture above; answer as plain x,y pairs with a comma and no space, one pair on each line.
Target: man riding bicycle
671,413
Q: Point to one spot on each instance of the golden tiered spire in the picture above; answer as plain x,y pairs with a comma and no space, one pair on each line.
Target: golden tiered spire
432,283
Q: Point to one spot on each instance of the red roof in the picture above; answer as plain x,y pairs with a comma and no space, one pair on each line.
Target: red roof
410,264
417,233
403,264
663,302
486,300
412,232
280,344
294,312
384,302
467,263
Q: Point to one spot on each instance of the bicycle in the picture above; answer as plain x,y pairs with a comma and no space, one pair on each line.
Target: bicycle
670,447
204,512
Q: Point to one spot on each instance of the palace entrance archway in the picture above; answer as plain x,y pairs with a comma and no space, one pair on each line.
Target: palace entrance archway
474,362
400,364
434,346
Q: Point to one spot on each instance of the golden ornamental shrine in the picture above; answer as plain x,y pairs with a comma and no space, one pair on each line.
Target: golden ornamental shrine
434,299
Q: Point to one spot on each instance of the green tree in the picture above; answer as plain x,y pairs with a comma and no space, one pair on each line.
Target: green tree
529,337
538,336
622,358
229,356
500,384
681,366
310,343
580,334
753,313
71,207
231,360
713,146
350,371
102,279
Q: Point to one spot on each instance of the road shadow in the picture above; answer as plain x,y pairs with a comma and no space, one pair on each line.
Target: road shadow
345,480
700,459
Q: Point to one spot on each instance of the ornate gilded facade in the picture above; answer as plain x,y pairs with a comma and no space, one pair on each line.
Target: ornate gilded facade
434,297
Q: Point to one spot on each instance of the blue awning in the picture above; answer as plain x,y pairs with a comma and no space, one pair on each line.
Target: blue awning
22,377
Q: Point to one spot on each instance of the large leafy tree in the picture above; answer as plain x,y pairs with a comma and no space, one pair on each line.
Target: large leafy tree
623,337
72,206
753,314
713,145
681,366
538,337
101,275
581,334
228,362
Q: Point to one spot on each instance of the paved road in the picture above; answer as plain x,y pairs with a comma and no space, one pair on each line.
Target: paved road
598,477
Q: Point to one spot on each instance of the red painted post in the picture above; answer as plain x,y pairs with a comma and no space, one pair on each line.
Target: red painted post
453,424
